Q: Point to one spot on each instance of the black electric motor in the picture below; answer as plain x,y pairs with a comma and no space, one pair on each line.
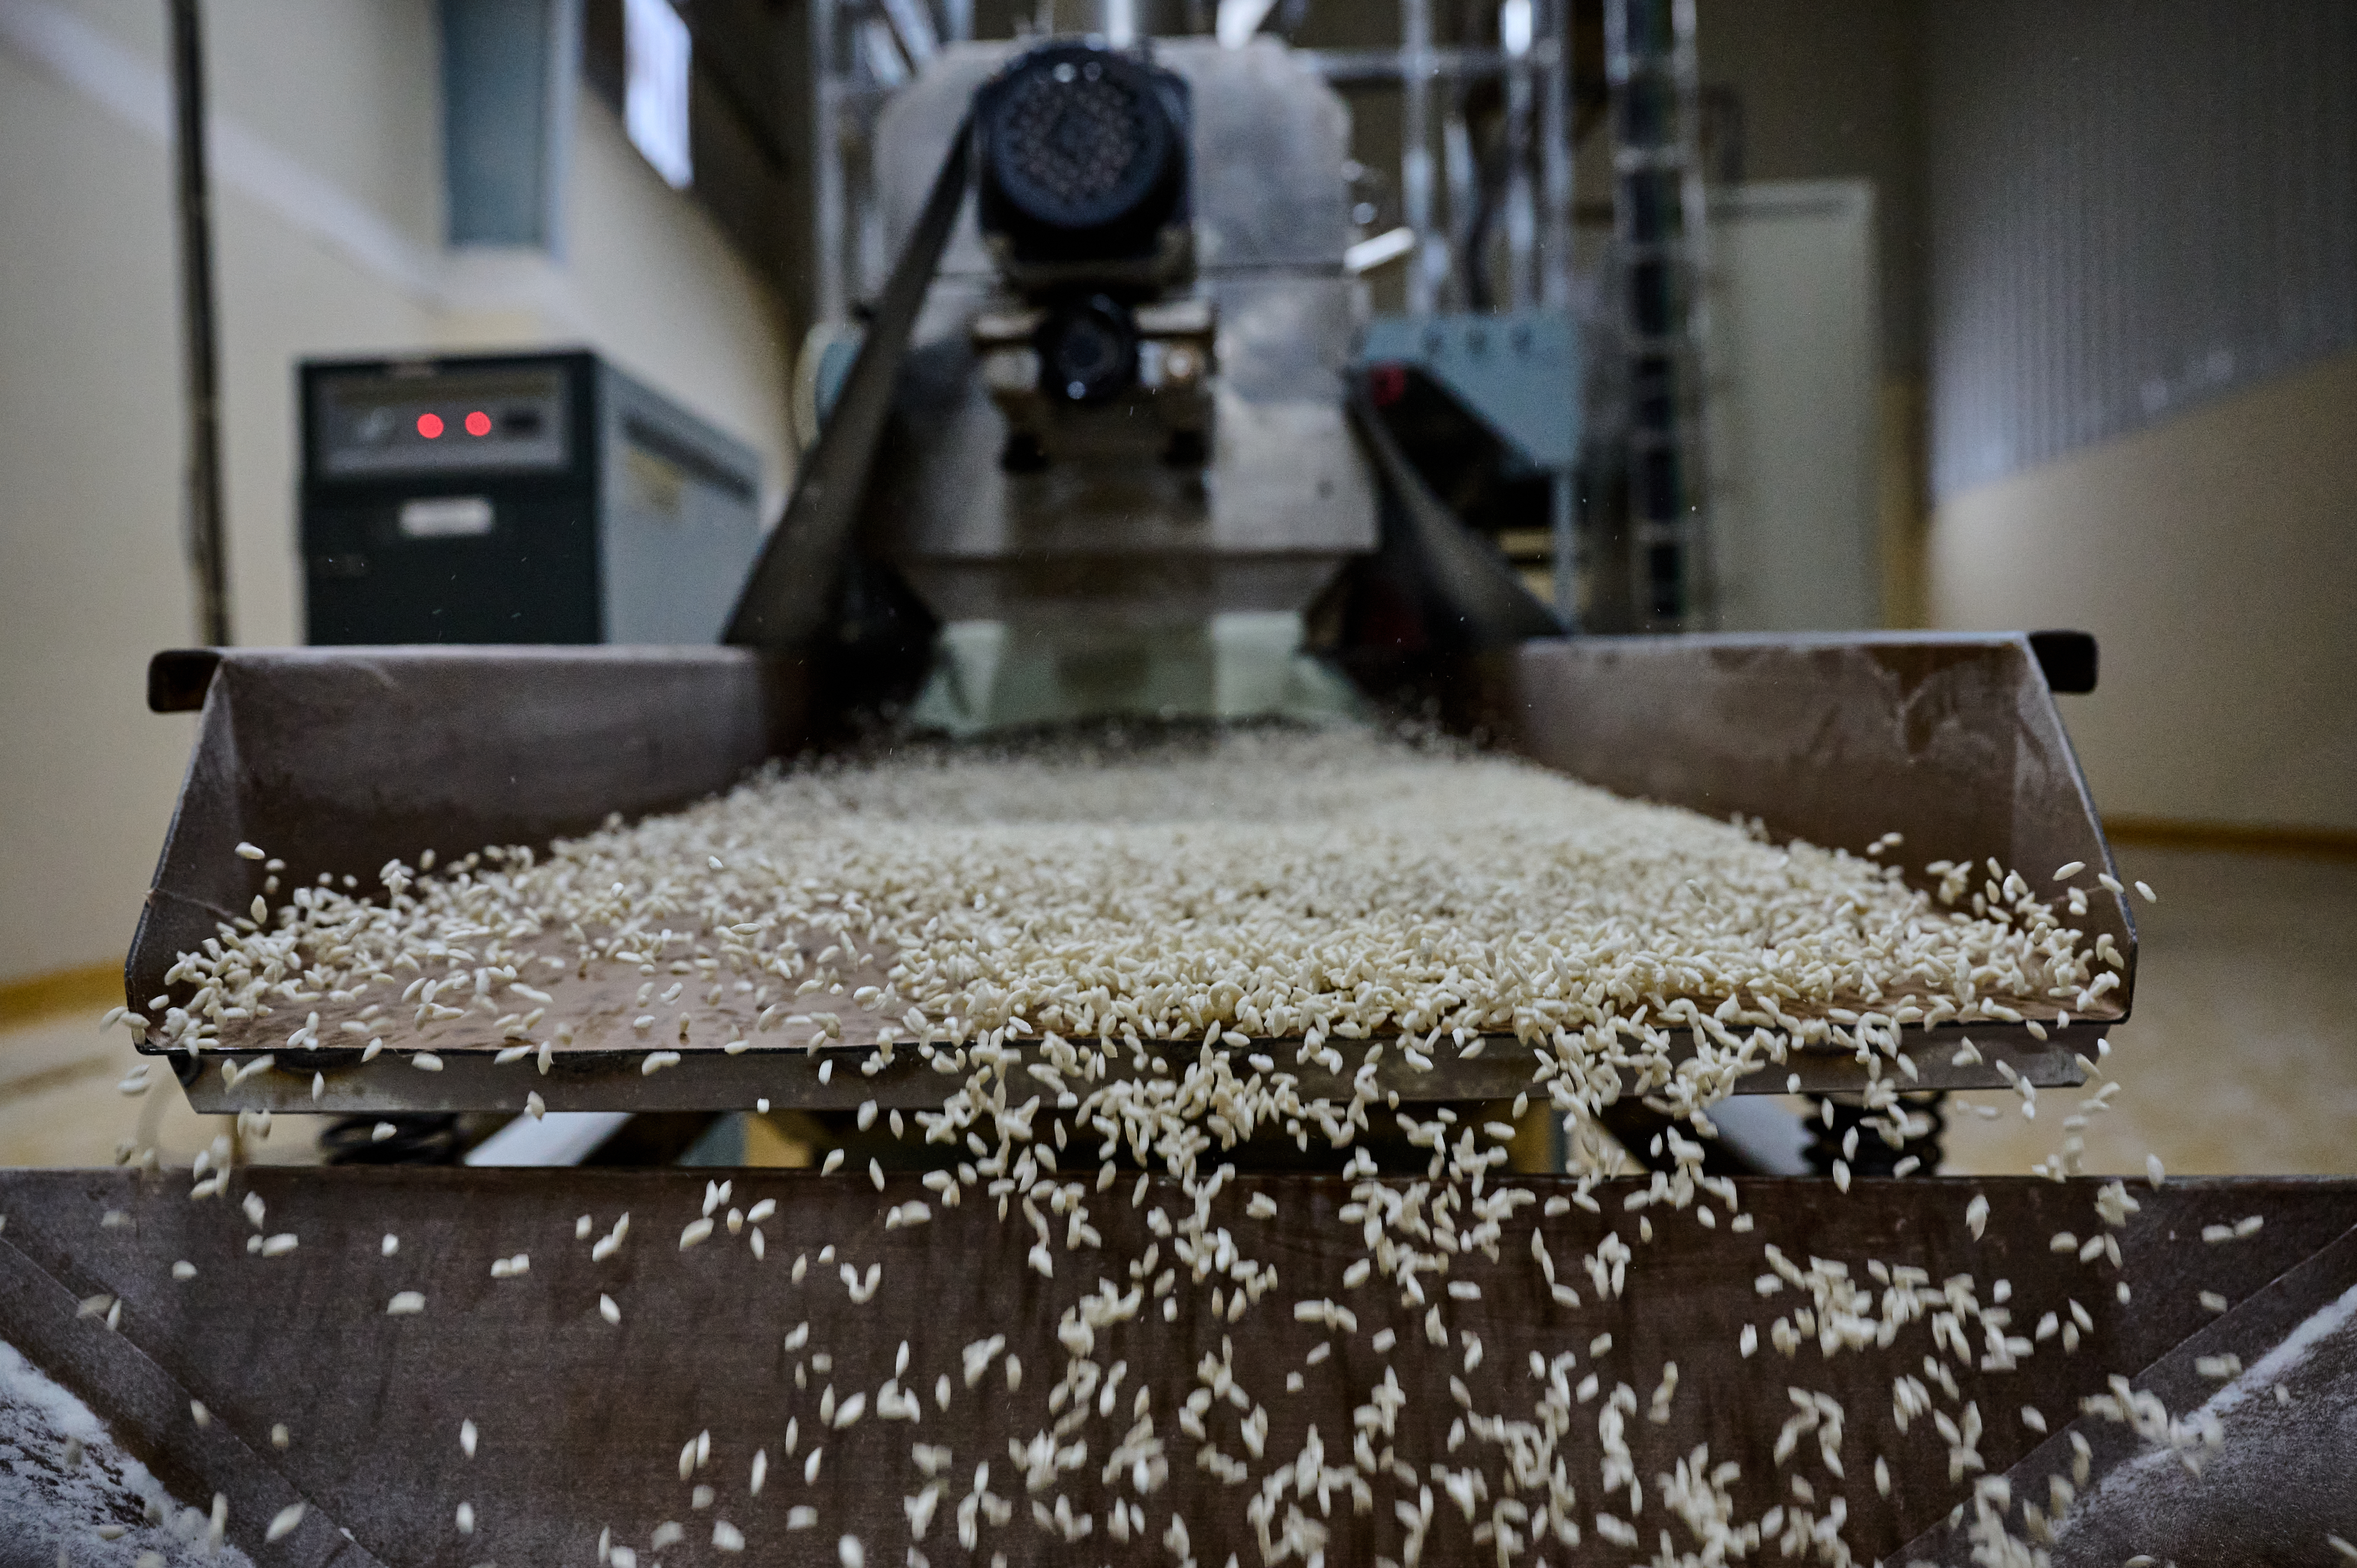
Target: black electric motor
1080,165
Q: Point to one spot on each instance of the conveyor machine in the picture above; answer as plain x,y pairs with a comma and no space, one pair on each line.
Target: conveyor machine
1105,403
1104,409
1101,406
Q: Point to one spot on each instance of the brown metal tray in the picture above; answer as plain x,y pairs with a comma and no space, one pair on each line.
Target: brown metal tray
338,759
582,1421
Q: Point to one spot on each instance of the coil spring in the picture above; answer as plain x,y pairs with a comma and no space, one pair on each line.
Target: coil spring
427,1138
1875,1158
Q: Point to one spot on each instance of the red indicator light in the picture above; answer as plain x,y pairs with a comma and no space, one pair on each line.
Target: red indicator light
429,425
478,424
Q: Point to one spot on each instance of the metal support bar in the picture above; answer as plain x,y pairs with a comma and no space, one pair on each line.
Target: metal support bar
1415,67
1659,217
826,160
1459,263
1563,543
790,597
207,544
1556,163
1522,218
1375,68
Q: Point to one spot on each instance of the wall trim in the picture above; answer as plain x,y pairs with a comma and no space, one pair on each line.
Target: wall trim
2233,838
91,987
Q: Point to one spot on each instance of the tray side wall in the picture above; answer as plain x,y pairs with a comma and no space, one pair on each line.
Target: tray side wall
1952,741
337,761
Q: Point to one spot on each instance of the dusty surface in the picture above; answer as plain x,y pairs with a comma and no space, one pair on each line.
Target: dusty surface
581,1420
63,1478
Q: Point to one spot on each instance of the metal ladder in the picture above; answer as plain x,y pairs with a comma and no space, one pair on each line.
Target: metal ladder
1658,256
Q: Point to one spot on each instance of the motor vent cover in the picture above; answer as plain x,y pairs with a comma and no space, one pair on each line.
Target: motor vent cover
1082,158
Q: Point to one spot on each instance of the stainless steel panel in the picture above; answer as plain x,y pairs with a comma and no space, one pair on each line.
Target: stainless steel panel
337,759
1285,498
2280,1483
1950,739
681,517
1271,139
913,133
1124,537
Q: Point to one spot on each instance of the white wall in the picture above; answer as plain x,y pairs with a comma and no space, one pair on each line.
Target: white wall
327,223
2214,557
1794,407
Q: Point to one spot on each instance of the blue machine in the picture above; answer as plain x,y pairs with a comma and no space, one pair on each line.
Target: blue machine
1517,374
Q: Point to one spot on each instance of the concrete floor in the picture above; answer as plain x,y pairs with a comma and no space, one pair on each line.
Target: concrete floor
2241,1059
58,1105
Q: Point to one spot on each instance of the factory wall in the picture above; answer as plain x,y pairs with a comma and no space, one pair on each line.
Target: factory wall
2143,375
329,233
1834,90
2213,556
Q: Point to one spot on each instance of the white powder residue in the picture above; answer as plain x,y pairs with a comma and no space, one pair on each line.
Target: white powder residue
2254,1382
47,1504
2264,1444
2259,1379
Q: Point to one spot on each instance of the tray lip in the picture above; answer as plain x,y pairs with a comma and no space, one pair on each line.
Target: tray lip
613,1078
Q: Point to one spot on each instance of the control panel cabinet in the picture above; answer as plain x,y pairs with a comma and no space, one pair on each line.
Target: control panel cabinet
539,497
